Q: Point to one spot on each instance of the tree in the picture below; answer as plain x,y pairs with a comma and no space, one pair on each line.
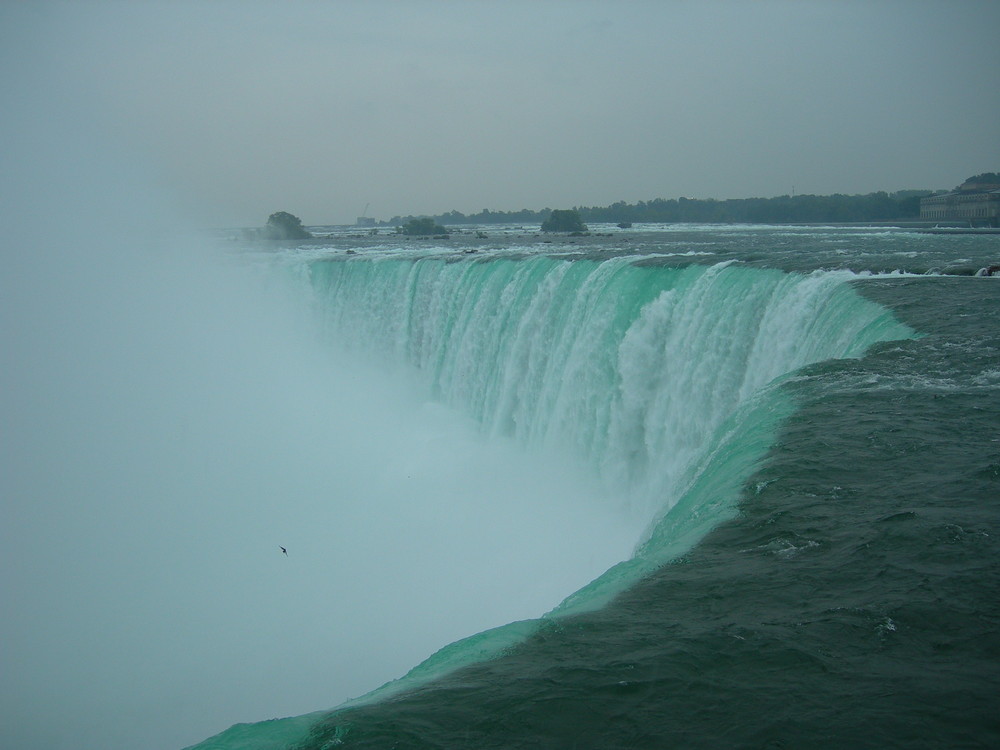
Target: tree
561,220
422,227
986,178
284,226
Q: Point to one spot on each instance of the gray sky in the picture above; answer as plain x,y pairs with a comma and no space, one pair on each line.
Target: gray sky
320,108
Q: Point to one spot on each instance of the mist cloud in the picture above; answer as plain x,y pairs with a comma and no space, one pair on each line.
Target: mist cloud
170,418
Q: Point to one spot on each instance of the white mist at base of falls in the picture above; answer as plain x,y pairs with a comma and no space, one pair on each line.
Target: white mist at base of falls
170,419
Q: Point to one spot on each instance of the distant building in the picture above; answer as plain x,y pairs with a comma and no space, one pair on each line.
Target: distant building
975,202
365,221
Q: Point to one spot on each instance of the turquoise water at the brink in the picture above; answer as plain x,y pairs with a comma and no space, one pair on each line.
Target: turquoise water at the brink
802,425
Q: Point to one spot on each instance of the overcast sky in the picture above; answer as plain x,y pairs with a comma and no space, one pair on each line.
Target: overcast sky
321,108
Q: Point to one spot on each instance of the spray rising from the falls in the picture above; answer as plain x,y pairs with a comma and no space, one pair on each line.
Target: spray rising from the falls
169,419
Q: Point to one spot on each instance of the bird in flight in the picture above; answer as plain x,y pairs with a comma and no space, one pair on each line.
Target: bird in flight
284,550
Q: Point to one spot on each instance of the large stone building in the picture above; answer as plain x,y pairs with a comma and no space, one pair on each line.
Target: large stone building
975,202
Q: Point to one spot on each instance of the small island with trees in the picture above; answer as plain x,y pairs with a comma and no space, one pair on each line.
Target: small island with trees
281,225
564,220
424,226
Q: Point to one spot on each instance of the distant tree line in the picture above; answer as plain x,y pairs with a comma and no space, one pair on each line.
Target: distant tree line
880,206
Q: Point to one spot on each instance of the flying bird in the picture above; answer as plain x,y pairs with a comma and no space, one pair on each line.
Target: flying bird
284,550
